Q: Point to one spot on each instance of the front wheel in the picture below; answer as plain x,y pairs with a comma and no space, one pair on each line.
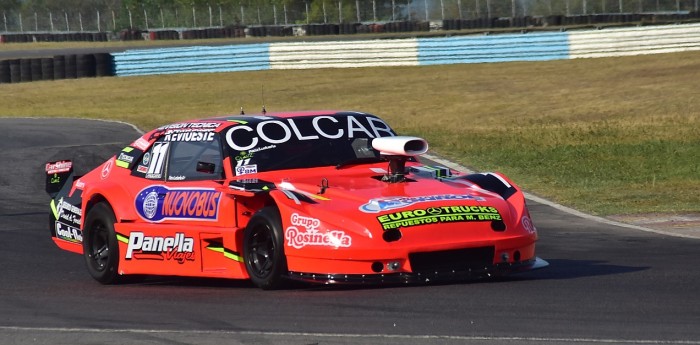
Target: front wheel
100,246
263,249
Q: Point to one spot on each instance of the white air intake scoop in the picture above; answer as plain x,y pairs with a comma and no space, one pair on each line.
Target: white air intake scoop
400,146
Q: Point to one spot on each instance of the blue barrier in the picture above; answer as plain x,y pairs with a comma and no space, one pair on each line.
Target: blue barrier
233,58
501,48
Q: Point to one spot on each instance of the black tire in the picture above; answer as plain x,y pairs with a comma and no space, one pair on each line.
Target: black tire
100,246
5,77
263,250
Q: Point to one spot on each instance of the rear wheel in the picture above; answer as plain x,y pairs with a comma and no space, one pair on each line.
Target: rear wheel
263,249
100,246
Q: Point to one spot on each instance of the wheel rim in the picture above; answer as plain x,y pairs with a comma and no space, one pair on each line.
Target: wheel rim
99,247
261,255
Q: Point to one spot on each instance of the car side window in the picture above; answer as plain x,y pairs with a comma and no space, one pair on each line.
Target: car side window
195,160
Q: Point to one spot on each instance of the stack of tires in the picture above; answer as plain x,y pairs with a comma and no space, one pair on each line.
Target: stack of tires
376,28
321,29
234,31
279,31
163,35
131,35
56,68
17,38
406,26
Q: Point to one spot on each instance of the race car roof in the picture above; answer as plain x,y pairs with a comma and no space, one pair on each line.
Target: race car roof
221,123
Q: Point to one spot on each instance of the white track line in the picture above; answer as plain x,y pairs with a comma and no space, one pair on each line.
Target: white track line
348,335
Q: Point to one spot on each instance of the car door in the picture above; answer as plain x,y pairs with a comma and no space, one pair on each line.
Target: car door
183,220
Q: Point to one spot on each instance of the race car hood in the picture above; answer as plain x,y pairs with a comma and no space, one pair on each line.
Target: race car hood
358,203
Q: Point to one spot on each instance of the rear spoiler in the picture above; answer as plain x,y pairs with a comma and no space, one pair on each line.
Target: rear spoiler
57,174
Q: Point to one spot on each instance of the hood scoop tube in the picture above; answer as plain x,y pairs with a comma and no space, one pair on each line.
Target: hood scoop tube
397,150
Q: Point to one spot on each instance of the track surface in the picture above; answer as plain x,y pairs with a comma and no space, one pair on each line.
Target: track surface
605,284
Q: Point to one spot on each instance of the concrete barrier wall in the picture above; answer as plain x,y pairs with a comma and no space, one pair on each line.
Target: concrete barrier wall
634,41
412,52
369,53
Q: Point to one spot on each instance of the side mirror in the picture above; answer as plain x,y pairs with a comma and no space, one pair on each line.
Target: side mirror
207,168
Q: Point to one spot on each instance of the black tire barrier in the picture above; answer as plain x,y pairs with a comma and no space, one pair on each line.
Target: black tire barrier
47,68
256,31
376,28
227,32
85,66
164,35
234,32
322,29
5,76
15,71
104,65
25,70
55,37
35,65
130,35
279,31
452,24
348,28
407,26
59,67
71,68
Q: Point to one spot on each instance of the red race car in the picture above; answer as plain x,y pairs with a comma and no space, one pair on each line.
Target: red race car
328,197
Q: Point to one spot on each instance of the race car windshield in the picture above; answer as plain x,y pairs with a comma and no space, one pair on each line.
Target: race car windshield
304,142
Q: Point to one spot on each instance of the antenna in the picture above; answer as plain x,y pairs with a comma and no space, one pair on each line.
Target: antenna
242,112
262,93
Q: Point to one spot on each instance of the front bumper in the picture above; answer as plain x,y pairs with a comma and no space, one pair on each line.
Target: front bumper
496,270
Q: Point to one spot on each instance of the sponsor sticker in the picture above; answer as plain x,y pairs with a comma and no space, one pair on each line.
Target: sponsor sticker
189,131
439,214
158,203
304,231
107,169
244,156
155,160
527,224
125,158
68,213
246,169
191,125
271,132
177,135
58,167
141,144
390,203
177,248
68,233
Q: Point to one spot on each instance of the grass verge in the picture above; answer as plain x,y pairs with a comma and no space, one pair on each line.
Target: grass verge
606,136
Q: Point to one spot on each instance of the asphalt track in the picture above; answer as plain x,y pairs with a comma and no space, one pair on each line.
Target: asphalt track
605,284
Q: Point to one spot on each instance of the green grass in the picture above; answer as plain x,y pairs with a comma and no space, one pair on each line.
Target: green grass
606,136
